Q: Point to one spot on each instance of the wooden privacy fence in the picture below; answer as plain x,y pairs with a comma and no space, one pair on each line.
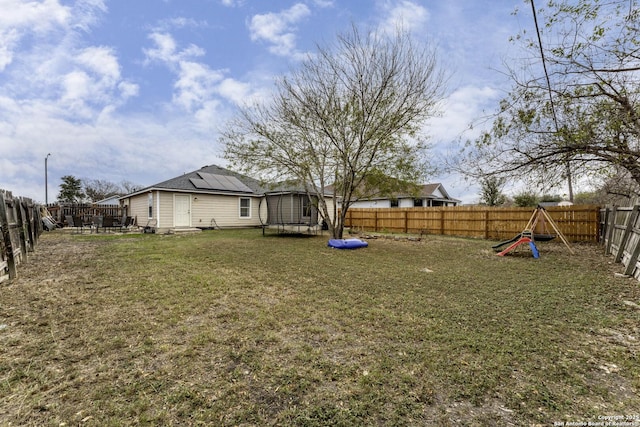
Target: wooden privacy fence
620,231
578,223
21,225
86,211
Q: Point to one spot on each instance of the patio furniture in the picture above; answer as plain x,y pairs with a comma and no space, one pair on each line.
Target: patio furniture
150,227
111,223
75,222
96,223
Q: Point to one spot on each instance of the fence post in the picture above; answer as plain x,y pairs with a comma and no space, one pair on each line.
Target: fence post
610,228
6,238
406,221
486,224
604,219
627,232
21,225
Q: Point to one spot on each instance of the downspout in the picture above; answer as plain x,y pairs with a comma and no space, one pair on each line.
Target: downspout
157,209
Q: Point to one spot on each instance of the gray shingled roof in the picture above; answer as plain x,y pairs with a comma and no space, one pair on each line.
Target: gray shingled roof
184,182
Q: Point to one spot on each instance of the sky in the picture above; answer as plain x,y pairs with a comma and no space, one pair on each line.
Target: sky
137,90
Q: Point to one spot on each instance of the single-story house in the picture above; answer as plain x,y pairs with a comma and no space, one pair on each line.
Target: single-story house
551,204
428,196
215,197
111,200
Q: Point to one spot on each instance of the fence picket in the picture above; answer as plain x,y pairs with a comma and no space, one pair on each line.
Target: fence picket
20,227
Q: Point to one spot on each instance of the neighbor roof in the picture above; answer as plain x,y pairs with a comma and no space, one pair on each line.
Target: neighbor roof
430,191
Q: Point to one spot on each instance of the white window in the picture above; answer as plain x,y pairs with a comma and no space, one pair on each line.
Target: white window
245,207
306,207
150,205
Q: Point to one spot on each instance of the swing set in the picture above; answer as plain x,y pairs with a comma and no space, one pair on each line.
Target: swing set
539,219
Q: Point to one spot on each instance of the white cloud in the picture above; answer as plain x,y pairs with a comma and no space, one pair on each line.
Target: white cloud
8,41
278,29
180,22
92,80
76,86
460,109
405,14
19,18
165,48
234,90
35,16
323,3
195,84
54,65
128,90
101,61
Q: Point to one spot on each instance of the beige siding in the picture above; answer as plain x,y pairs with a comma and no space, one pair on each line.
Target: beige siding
225,210
330,205
164,205
205,208
138,208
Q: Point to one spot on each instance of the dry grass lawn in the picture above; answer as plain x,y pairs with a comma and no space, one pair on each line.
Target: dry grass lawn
233,328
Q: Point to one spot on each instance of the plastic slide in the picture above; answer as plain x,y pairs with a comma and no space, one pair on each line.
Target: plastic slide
506,242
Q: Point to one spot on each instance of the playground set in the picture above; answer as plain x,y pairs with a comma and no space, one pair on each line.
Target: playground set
538,221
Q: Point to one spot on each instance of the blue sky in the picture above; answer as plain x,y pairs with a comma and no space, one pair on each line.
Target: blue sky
137,90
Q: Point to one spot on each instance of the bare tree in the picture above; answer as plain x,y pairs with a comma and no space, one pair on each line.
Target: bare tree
98,189
575,105
350,116
128,187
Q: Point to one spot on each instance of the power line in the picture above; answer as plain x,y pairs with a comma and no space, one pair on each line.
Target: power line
553,108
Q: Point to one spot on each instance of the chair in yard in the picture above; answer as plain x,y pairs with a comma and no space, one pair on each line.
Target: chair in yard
110,223
96,223
129,222
150,227
75,222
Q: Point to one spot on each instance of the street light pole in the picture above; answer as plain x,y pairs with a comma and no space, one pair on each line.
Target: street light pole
46,182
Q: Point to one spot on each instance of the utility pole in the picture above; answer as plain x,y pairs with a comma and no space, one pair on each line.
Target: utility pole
46,181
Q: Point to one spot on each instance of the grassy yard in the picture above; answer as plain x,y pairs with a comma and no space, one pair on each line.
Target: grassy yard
233,328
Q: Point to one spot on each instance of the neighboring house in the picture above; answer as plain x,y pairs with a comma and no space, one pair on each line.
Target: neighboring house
111,200
214,197
429,195
551,204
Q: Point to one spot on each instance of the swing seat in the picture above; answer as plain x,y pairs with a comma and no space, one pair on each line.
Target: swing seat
543,237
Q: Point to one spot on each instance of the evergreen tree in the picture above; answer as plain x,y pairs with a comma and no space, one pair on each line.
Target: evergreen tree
71,190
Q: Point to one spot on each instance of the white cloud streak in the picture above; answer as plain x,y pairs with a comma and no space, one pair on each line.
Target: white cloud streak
278,30
405,14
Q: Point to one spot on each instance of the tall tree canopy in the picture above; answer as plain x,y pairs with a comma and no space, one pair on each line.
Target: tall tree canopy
350,116
71,190
491,191
575,104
